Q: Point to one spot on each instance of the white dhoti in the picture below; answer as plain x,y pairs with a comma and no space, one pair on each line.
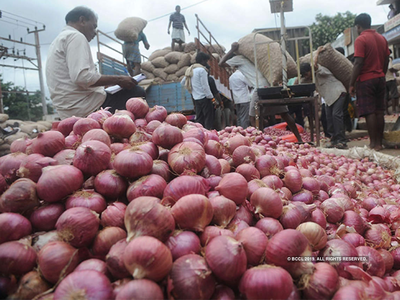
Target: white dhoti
178,34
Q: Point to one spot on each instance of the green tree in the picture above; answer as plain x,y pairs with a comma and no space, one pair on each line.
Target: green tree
326,29
22,106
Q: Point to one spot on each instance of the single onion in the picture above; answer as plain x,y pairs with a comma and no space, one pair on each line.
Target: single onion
225,166
93,264
105,238
97,135
167,136
243,154
317,216
223,293
57,259
378,236
182,186
198,133
161,168
115,260
65,157
58,182
150,185
248,171
191,270
92,157
269,226
181,243
20,145
375,266
78,226
48,143
311,184
187,156
211,232
119,126
267,165
137,106
214,148
73,141
139,136
224,210
65,126
147,257
148,147
293,181
145,216
30,285
315,235
322,283
354,239
140,289
212,167
16,258
87,284
333,210
152,125
10,164
352,219
267,202
83,125
273,181
291,216
254,242
234,187
387,259
226,258
100,116
19,197
157,112
260,281
176,119
193,212
303,196
237,225
87,198
13,227
32,169
236,141
114,215
45,217
110,184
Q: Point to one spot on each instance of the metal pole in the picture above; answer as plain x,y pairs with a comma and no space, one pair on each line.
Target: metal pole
39,59
1,100
283,49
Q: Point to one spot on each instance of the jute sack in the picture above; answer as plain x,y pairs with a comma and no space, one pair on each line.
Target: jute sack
147,66
173,57
184,61
158,53
171,69
307,58
149,75
3,118
129,29
159,80
160,73
265,61
214,48
216,56
172,77
13,137
396,66
181,71
337,63
45,124
160,62
189,47
193,58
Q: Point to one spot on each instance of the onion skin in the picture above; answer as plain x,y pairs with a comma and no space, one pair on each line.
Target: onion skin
151,185
32,169
140,289
145,216
264,280
114,215
333,210
322,283
13,227
226,258
110,184
193,212
354,239
254,242
19,197
224,210
115,260
30,285
187,156
78,226
191,270
58,182
387,259
147,257
378,235
182,186
315,235
375,265
10,164
65,157
233,186
181,243
267,202
105,239
88,284
16,258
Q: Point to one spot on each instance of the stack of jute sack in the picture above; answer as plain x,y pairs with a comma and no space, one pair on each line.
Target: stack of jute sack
12,129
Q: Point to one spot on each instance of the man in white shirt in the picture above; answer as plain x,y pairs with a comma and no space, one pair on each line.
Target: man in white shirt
76,87
196,82
241,97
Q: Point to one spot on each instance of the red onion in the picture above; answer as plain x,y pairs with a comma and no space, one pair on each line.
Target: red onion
83,125
317,216
267,165
187,156
105,239
65,157
211,232
17,258
378,236
237,225
45,217
92,157
146,216
254,185
303,196
176,119
152,125
333,210
354,239
248,171
40,239
157,112
379,214
57,259
48,143
100,116
245,212
97,135
191,270
73,141
114,215
78,226
32,169
140,289
291,216
224,210
311,184
58,182
133,164
19,197
269,226
93,264
181,243
315,235
369,203
225,166
161,168
115,260
65,126
150,185
197,133
110,185
138,107
234,187
182,186
375,265
273,181
264,280
243,154
13,227
322,283
226,258
267,202
147,257
167,136
223,293
293,181
87,198
387,259
20,145
214,148
30,286
139,136
212,167
352,219
238,140
254,242
213,182
289,243
88,284
193,212
119,126
10,164
148,147
396,258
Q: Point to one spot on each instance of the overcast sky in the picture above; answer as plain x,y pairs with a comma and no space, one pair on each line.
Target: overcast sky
228,21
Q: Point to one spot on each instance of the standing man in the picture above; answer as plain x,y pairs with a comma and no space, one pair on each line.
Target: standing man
76,88
371,55
132,53
178,35
241,97
391,86
392,12
196,82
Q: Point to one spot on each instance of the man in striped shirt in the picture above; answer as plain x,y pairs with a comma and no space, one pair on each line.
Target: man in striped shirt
178,35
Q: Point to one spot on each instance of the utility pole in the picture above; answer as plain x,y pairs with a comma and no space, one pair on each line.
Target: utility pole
39,61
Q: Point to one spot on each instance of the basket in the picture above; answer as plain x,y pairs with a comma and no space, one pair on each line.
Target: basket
391,139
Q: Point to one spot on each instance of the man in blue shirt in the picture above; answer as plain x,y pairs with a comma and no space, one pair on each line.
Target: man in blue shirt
132,55
178,35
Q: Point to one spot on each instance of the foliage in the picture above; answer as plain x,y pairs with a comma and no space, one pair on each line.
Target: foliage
21,106
326,29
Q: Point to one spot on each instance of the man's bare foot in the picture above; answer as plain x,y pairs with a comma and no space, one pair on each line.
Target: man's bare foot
378,148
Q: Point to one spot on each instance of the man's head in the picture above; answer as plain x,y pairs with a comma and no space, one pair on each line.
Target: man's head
305,70
84,20
178,9
362,22
391,6
340,49
202,58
